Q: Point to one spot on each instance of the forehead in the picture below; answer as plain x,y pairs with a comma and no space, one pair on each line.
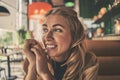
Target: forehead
56,19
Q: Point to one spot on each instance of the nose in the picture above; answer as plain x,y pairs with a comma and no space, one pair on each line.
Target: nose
48,36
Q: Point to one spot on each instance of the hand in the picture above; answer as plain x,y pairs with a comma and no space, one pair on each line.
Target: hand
29,43
41,64
41,59
37,56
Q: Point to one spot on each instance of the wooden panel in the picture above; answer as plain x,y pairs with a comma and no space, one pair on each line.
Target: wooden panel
104,47
108,53
109,65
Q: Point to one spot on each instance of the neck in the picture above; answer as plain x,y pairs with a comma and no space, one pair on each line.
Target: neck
61,58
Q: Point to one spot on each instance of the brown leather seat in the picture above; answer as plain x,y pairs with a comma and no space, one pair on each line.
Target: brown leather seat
108,53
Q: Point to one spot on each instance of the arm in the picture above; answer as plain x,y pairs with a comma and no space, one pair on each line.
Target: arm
41,64
37,61
30,71
31,74
29,65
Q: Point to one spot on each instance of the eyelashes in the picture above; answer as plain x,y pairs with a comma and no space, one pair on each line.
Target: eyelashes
57,30
45,30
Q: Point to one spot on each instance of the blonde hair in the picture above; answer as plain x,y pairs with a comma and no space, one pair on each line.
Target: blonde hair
79,65
75,62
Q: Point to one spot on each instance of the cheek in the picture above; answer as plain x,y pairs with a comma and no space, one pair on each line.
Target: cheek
64,41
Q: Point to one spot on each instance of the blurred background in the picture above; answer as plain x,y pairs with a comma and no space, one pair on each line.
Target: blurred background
18,21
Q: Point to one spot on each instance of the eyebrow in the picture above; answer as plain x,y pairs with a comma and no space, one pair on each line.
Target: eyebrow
44,25
54,25
58,25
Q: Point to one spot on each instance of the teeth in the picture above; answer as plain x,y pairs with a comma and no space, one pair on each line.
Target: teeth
50,46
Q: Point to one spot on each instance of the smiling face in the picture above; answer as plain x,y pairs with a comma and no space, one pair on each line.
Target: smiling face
57,37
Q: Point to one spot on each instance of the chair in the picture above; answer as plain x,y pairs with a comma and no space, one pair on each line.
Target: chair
2,74
108,54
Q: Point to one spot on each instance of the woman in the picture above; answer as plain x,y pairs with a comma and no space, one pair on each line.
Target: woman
63,54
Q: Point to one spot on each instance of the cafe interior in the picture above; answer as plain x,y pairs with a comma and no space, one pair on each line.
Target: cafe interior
101,20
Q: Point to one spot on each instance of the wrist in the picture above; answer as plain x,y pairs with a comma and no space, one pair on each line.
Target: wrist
32,63
31,74
47,76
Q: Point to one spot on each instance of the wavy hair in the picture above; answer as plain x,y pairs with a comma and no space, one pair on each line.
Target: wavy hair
79,65
76,60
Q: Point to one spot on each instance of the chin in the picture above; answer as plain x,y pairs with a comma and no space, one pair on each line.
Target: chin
51,54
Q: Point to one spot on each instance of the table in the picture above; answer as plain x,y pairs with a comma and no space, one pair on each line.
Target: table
8,65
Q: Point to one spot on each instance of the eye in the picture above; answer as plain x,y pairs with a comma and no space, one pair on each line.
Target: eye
45,30
57,30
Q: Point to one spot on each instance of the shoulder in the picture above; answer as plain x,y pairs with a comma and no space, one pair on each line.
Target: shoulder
90,60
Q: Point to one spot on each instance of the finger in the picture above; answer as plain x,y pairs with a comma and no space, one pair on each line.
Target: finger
43,51
29,43
38,47
28,54
25,51
42,44
36,52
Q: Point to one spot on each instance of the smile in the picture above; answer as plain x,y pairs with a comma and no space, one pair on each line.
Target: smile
50,46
